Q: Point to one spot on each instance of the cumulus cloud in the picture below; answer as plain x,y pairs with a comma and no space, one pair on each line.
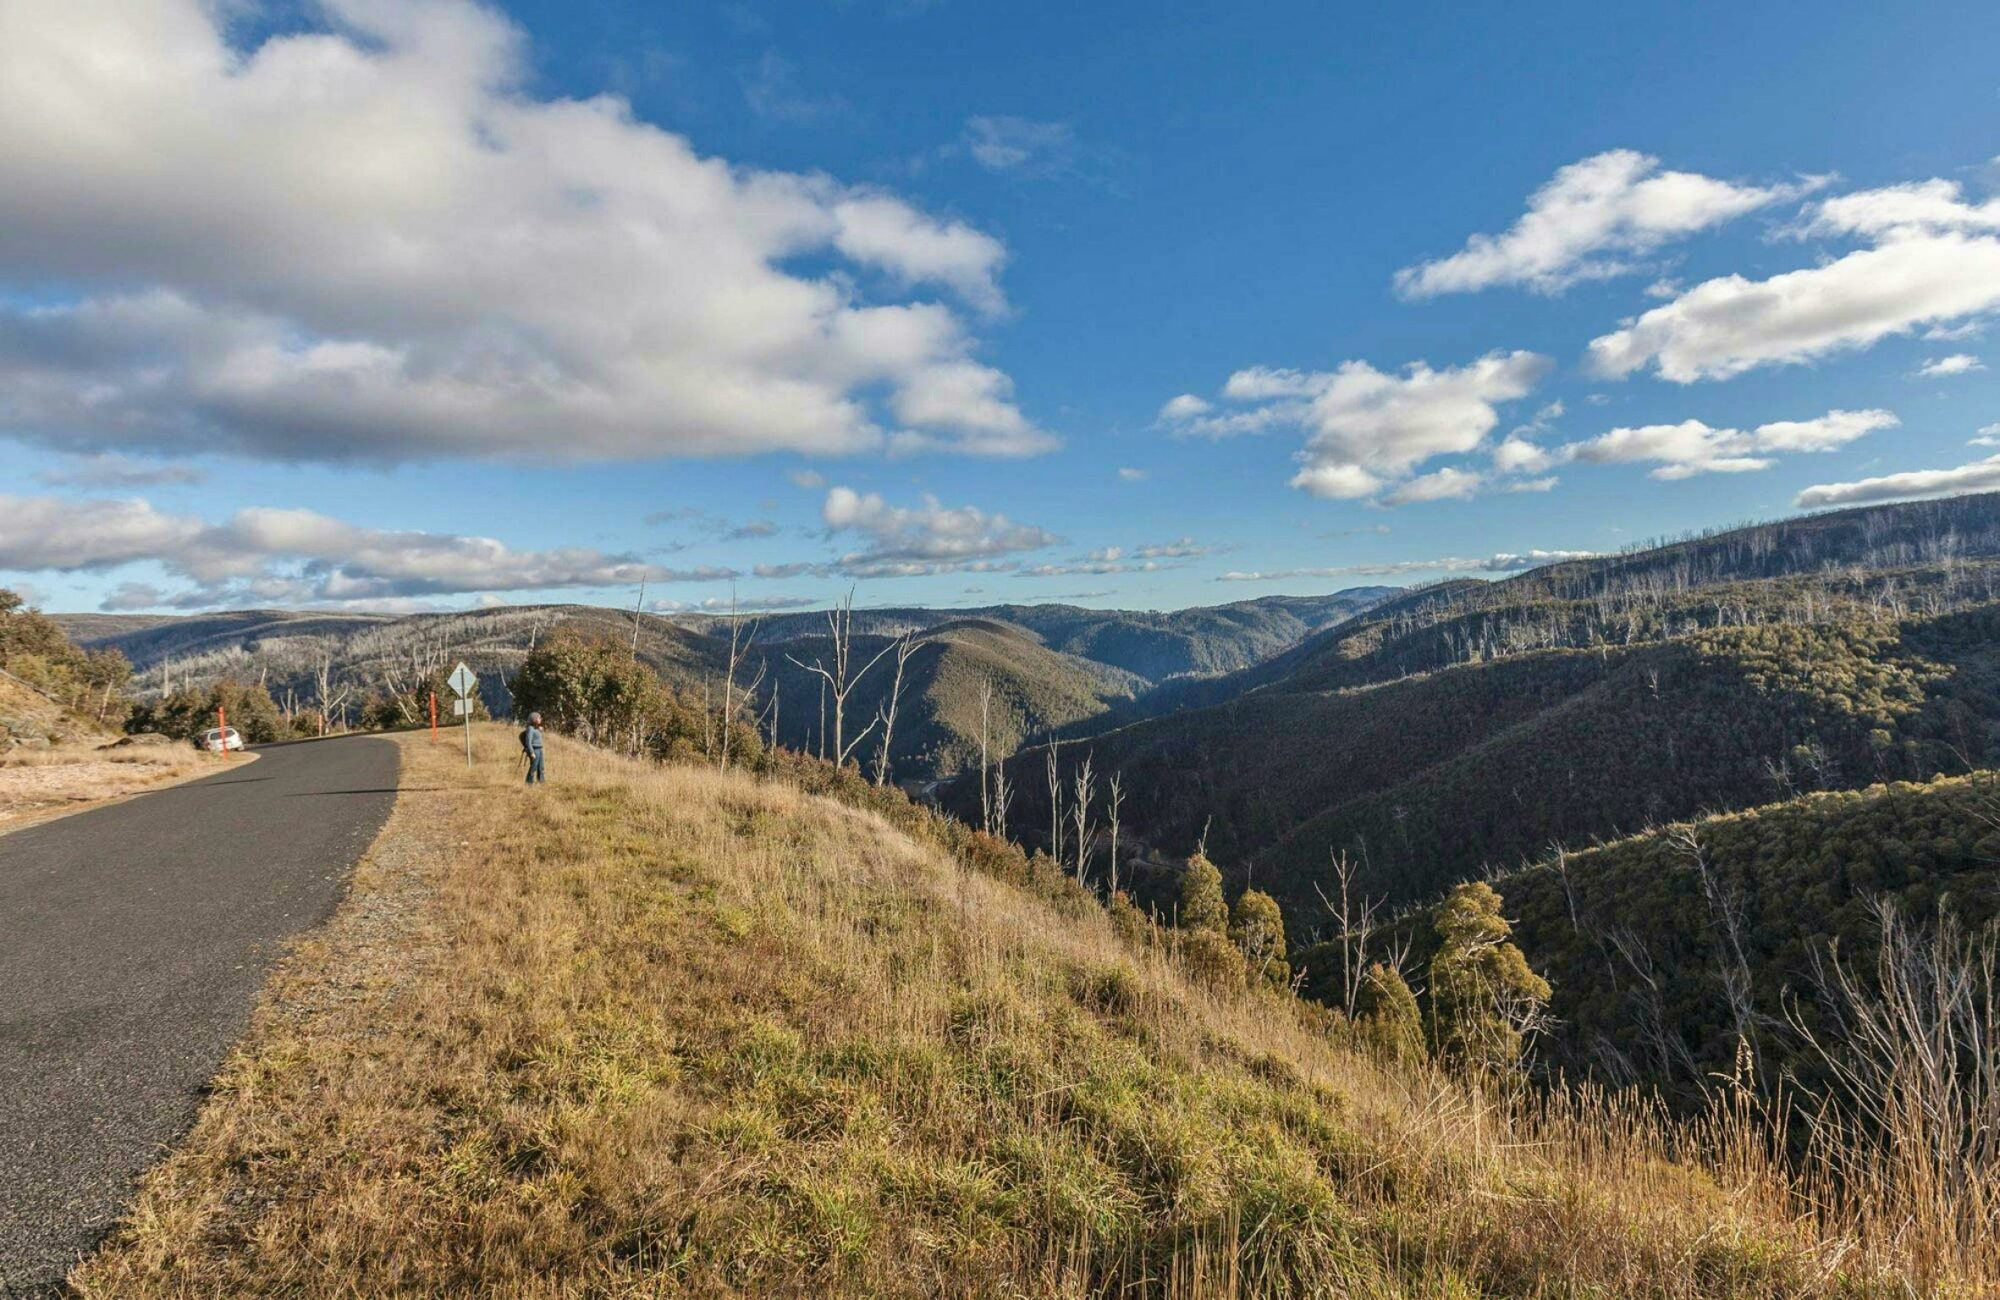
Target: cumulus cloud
1980,476
1933,264
907,541
1691,447
1447,484
1367,430
372,241
1916,206
1504,562
1959,363
273,556
1131,474
1593,220
1988,436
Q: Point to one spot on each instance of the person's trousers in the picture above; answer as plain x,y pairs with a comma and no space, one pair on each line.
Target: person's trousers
535,768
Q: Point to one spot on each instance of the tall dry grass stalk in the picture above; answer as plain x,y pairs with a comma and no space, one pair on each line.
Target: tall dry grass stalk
669,1031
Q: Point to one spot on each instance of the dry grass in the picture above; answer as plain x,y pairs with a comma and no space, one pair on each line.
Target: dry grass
39,783
669,1032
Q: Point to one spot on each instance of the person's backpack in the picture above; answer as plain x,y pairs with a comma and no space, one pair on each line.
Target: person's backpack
525,747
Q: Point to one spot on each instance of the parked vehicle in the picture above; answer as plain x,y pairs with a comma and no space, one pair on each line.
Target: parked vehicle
220,740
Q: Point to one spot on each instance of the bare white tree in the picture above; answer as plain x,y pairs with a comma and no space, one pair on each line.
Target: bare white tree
985,722
1003,799
1357,925
904,646
1115,792
840,679
330,692
1086,835
1913,1052
1055,804
739,646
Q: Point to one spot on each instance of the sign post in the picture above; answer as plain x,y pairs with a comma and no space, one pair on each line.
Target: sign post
434,717
222,731
464,682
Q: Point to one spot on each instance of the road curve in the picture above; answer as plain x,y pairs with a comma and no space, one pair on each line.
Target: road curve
133,942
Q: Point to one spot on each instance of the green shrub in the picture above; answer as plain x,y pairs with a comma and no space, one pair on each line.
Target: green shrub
1201,904
1258,928
1482,992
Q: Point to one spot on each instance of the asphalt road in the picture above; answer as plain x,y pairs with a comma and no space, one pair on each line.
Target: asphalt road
133,942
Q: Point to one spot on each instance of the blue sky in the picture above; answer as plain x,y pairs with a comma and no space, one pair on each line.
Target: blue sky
423,305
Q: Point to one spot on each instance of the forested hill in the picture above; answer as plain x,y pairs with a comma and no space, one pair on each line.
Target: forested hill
1914,557
1665,948
1451,731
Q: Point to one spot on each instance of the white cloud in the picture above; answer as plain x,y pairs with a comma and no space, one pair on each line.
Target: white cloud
1504,562
724,605
1129,474
1959,363
1447,484
1183,548
1185,407
265,556
810,479
374,242
905,541
1590,222
1019,145
1384,425
1914,277
1980,476
1989,436
1691,447
1683,449
1917,206
1829,432
1367,430
1516,455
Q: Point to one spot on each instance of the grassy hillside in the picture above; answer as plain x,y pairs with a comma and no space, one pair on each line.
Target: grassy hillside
1641,936
628,1034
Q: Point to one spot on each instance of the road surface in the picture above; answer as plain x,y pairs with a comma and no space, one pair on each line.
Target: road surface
133,942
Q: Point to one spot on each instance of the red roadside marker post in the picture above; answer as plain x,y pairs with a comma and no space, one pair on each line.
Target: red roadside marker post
434,717
222,732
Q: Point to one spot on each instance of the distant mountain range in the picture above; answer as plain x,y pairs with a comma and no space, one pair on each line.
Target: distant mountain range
1051,666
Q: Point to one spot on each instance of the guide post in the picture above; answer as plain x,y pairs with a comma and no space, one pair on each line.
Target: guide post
464,682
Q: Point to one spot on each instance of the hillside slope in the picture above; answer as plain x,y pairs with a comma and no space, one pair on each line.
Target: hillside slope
1640,937
1460,728
628,1034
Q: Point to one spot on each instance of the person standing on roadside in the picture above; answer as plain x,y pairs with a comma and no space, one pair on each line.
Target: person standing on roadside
531,748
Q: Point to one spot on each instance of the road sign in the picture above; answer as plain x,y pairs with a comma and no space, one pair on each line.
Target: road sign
462,681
